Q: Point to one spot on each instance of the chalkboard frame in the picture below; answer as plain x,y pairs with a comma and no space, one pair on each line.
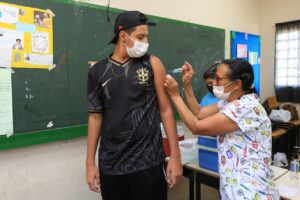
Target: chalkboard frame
52,135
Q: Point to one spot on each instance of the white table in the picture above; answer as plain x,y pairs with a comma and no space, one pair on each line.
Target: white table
278,172
198,175
285,181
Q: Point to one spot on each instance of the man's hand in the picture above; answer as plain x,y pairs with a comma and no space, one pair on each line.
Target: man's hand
93,178
174,171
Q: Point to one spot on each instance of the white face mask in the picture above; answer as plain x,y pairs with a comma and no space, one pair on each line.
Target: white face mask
138,50
219,92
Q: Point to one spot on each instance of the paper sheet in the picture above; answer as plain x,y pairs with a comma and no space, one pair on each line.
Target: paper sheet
40,42
38,59
25,27
8,41
287,191
9,14
6,114
253,57
241,50
42,19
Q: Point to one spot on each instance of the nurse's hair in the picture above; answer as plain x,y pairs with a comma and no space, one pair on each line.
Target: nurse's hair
242,70
211,71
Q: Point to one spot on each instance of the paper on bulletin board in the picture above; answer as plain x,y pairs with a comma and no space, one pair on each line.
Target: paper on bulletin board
6,110
40,42
241,51
9,45
9,14
35,27
253,58
25,27
34,59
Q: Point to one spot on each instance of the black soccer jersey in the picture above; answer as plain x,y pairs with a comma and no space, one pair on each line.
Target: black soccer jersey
131,139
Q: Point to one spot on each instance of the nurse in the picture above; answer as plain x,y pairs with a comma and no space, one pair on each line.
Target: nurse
241,125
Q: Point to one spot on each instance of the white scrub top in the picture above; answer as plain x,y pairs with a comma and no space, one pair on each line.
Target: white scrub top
245,154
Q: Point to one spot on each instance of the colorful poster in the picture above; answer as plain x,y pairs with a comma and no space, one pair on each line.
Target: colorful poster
6,111
9,14
253,52
40,42
241,50
25,31
253,58
11,41
42,19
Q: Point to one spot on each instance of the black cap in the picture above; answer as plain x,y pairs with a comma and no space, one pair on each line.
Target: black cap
129,19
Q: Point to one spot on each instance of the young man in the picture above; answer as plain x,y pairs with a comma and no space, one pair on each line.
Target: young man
127,101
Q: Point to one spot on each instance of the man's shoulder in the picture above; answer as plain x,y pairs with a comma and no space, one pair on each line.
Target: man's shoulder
154,62
145,60
102,62
147,56
153,58
99,65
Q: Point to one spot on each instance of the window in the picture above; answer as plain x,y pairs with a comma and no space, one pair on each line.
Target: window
287,63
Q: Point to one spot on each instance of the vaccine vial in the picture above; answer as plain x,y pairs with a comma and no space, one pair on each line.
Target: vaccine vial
294,167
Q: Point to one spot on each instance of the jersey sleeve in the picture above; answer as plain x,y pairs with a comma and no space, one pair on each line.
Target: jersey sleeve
94,93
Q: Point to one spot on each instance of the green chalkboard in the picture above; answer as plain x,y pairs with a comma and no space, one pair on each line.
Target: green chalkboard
176,42
81,34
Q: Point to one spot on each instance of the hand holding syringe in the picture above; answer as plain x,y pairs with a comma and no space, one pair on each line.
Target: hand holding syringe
187,73
175,71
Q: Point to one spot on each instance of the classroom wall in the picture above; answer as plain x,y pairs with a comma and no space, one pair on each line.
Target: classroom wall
57,171
53,171
238,15
274,11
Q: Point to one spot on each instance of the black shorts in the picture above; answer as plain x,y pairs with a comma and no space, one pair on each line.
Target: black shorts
148,184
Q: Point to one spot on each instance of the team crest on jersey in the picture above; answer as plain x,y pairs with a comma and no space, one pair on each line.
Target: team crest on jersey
143,75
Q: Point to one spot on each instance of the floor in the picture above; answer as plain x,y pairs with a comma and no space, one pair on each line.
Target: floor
181,191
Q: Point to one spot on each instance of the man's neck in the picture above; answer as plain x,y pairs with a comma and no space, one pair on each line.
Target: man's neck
120,54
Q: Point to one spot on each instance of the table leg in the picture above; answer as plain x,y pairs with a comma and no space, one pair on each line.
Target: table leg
198,188
192,185
202,178
191,176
